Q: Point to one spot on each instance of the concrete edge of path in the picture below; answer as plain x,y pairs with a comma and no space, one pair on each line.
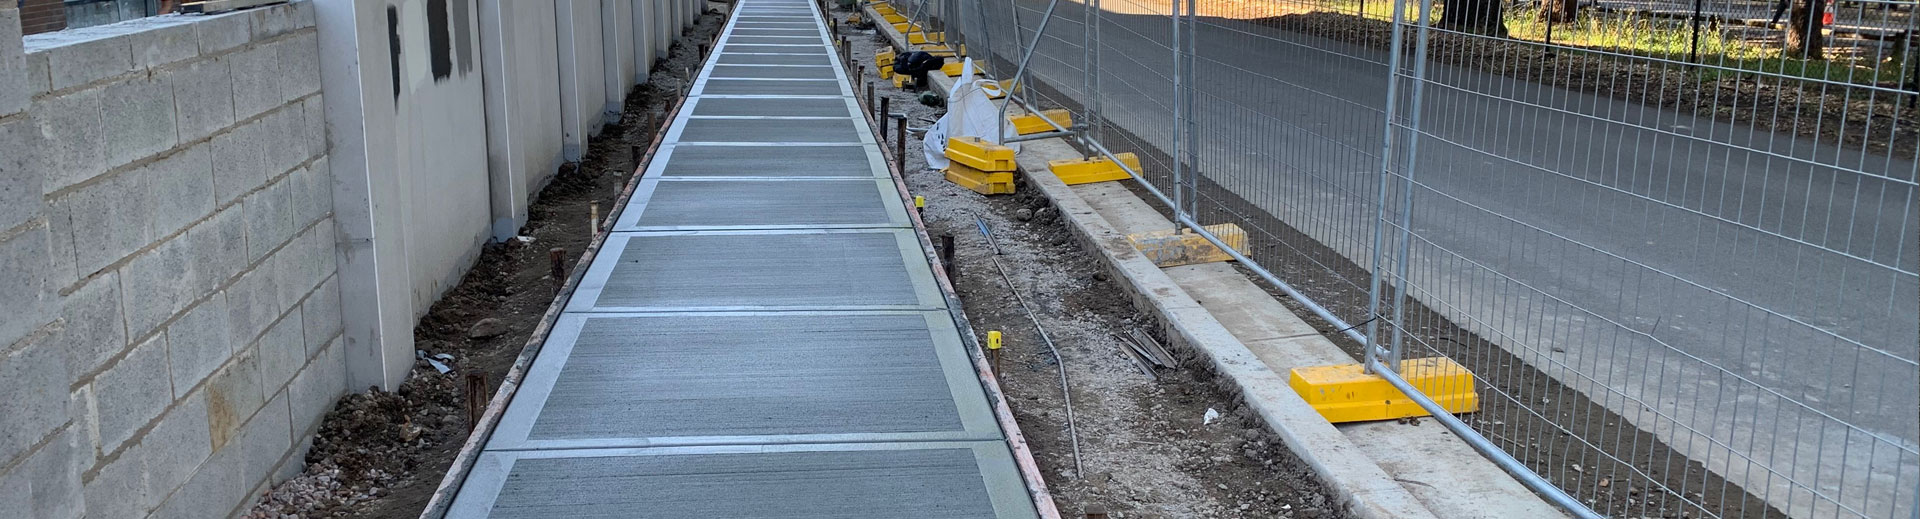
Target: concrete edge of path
1356,482
1374,470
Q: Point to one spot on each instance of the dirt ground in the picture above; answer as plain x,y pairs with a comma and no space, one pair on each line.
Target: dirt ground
381,455
1145,451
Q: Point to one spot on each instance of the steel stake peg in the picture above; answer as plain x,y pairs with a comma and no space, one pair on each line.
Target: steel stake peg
558,257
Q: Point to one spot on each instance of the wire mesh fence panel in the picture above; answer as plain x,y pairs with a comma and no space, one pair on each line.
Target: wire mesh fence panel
1673,242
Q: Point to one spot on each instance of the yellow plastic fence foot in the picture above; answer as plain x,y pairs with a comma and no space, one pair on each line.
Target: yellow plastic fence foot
883,58
1034,123
901,80
1169,248
954,69
924,38
979,154
1346,393
1087,171
983,182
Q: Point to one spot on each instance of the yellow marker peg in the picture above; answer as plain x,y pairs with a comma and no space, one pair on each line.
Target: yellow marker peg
919,202
993,348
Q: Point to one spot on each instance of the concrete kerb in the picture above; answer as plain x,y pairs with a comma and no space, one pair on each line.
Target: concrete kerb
1354,479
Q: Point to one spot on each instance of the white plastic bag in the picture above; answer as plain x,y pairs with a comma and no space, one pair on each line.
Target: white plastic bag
970,113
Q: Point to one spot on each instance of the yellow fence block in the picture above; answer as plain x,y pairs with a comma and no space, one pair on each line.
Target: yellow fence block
1033,123
884,58
1172,249
983,182
954,69
1087,171
901,80
922,38
886,72
1346,393
979,154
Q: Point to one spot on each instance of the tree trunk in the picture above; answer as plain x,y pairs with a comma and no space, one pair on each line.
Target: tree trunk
1804,37
1558,11
1474,16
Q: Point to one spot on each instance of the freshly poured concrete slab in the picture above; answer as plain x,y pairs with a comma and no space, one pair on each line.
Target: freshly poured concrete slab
645,380
774,107
773,87
778,40
839,481
688,204
773,59
866,269
734,48
841,130
814,33
698,160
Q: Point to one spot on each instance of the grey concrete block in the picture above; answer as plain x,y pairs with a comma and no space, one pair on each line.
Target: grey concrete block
39,80
282,352
88,60
167,42
34,382
223,31
316,387
265,440
212,491
316,125
139,114
240,160
180,187
256,80
272,21
20,172
73,130
286,139
320,315
305,262
202,97
154,286
109,220
119,488
233,394
94,330
312,193
299,59
176,445
14,94
24,292
269,218
253,304
47,484
303,15
64,271
214,247
197,343
131,393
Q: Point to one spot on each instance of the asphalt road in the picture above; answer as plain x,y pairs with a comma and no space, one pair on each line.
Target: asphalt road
1749,297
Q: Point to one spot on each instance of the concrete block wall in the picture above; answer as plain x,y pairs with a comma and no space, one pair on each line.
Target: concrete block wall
172,331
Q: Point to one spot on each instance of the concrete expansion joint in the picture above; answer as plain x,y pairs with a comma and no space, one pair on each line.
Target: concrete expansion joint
23,228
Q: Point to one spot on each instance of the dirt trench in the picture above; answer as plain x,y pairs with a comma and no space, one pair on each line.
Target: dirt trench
1146,448
381,455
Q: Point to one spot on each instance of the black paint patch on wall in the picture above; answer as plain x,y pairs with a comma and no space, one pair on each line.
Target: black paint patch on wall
463,34
393,48
438,40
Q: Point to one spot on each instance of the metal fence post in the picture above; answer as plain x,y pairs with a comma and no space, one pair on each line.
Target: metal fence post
1179,116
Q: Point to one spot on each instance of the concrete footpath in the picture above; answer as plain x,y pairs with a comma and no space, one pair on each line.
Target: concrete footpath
762,334
1378,470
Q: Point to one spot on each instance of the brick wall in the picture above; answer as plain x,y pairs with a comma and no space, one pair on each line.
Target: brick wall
172,331
38,16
